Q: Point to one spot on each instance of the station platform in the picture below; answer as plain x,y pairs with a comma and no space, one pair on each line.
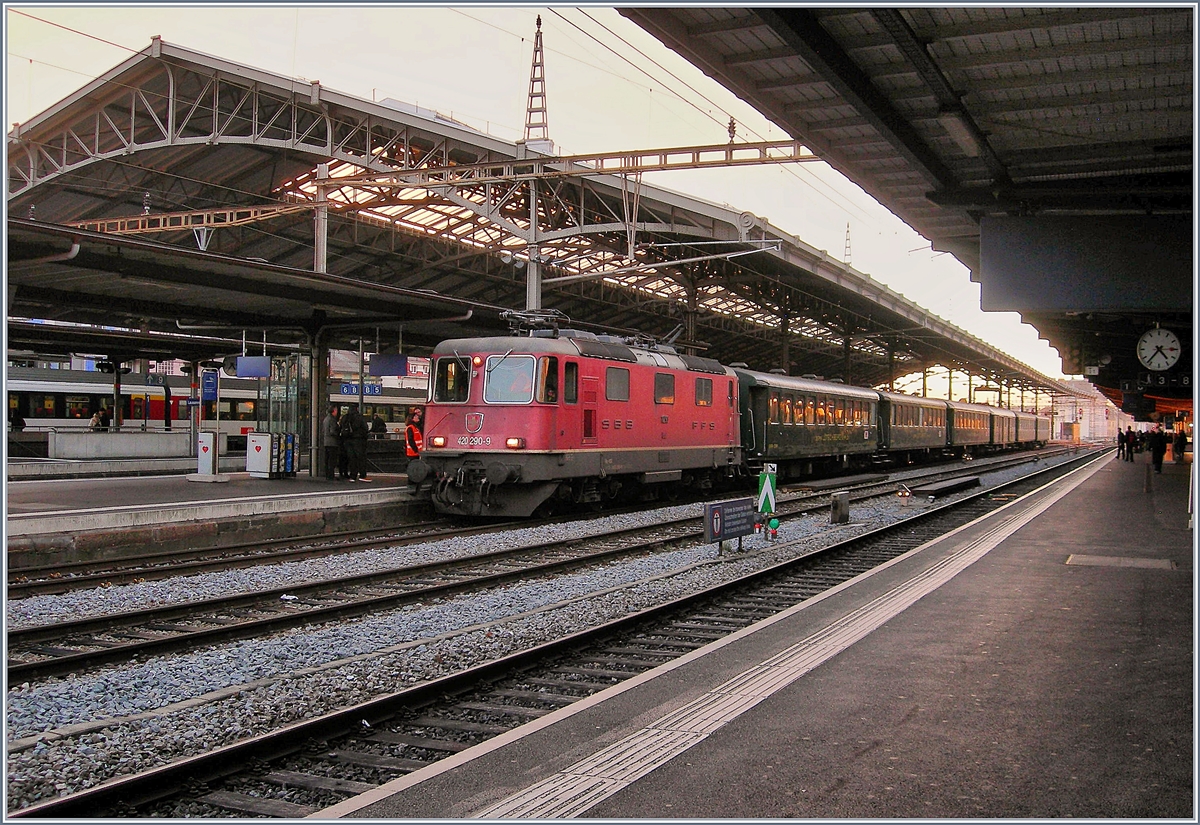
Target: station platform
93,518
1037,663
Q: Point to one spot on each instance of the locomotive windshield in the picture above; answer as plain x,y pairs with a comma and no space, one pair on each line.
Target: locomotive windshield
509,379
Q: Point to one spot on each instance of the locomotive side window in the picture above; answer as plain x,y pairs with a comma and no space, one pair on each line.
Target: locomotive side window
548,379
616,384
703,392
452,380
571,382
509,379
664,388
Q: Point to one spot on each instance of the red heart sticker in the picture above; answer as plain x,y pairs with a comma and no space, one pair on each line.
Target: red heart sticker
258,448
204,448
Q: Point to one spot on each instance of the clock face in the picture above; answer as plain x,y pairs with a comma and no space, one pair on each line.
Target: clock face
1158,349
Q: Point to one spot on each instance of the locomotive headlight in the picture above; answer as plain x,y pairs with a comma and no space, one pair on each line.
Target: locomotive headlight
437,441
477,360
515,443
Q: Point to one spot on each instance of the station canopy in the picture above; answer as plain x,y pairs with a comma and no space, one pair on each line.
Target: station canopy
1048,147
181,197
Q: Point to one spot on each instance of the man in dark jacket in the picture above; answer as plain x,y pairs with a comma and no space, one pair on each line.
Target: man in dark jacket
331,436
1158,448
354,432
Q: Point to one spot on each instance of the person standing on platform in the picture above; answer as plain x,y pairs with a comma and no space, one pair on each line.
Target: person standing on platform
1158,448
331,438
1180,445
1130,440
414,440
354,431
1120,445
378,426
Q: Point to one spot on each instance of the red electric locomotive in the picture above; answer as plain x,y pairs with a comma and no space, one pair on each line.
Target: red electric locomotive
522,422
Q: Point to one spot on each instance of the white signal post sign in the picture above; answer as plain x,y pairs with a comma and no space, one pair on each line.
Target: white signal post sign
766,489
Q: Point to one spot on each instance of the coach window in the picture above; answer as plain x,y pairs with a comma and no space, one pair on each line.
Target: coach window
664,388
616,384
42,406
810,411
509,379
785,409
773,409
79,406
452,380
547,388
703,392
571,382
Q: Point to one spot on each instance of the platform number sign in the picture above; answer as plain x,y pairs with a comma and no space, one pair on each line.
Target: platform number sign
766,489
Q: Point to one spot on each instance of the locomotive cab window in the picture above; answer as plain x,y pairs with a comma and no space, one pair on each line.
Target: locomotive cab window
664,388
452,380
704,389
616,384
547,391
509,379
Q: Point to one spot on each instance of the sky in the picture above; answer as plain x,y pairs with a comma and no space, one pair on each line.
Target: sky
609,87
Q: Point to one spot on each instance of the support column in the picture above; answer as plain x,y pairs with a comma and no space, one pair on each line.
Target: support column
924,381
949,384
891,368
115,425
321,223
785,347
690,314
318,383
533,278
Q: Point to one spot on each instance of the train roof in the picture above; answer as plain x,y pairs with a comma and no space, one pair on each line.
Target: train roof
789,382
987,408
584,344
916,400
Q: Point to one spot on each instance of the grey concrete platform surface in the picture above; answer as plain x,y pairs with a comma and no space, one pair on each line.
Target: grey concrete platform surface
1037,663
92,518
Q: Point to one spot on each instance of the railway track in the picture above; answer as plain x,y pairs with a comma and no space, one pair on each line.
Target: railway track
307,766
24,582
73,646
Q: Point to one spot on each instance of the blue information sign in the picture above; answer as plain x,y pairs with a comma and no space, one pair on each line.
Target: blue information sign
728,519
208,385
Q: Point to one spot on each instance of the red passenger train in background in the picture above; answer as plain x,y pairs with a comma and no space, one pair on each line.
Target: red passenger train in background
526,422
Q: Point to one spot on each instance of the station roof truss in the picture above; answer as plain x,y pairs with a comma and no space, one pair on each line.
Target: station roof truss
954,116
174,148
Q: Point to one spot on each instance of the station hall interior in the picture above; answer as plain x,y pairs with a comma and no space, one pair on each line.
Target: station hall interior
1049,150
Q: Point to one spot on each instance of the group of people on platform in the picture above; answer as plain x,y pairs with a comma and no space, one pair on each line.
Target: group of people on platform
1155,441
345,440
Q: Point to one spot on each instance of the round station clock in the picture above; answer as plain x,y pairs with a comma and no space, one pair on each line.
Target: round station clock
1158,349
